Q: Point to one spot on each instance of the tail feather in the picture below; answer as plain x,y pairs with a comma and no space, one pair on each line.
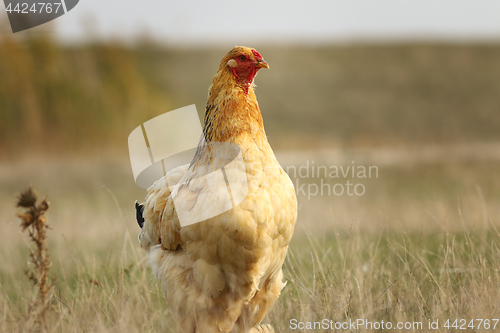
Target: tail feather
139,209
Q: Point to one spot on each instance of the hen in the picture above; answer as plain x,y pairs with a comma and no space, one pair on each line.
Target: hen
223,273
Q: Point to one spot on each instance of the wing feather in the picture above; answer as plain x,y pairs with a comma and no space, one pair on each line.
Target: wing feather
161,225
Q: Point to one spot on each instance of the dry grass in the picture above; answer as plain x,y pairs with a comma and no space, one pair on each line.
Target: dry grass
421,244
393,277
33,219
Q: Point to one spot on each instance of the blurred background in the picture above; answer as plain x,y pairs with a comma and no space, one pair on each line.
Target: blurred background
411,87
354,74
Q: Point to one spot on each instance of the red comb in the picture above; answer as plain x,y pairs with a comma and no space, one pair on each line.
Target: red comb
256,54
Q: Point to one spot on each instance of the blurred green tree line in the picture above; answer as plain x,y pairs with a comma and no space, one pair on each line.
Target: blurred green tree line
92,95
68,97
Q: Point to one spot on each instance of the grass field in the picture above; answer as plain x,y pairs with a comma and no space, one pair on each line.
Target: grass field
421,244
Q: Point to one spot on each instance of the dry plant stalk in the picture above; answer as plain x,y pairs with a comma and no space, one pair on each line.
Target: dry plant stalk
35,221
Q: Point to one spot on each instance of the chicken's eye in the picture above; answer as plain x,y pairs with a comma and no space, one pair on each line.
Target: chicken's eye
243,58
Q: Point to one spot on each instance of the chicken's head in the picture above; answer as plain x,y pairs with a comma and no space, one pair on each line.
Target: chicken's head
244,63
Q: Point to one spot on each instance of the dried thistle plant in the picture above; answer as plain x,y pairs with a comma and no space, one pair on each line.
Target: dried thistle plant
33,219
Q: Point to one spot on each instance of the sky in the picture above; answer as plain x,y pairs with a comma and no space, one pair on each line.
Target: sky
277,21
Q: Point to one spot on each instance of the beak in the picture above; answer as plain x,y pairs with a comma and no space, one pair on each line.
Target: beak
261,64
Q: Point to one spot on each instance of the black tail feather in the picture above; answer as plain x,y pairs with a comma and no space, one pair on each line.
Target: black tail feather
139,209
